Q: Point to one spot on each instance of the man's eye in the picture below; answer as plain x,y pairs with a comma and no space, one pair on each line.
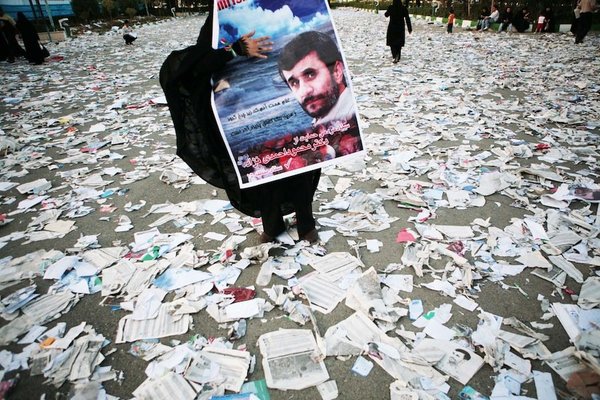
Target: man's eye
294,84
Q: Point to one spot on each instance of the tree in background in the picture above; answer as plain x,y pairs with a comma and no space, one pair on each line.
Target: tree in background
109,6
86,9
129,7
131,12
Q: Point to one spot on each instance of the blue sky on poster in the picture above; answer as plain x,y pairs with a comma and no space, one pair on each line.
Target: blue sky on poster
278,18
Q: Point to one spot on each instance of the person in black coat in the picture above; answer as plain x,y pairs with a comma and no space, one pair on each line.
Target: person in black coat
33,50
506,20
549,20
7,52
9,47
185,77
396,31
484,13
522,20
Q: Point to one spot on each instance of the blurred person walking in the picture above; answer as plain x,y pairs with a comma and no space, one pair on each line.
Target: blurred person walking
399,22
451,19
34,51
9,47
584,22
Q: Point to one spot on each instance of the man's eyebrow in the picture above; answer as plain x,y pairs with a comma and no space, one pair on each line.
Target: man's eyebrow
308,70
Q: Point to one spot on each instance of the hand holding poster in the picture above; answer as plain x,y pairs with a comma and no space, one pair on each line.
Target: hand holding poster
294,110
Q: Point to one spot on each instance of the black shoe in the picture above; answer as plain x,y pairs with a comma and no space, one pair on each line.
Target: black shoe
311,236
264,238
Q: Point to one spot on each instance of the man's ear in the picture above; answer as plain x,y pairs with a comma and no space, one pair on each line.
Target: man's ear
338,72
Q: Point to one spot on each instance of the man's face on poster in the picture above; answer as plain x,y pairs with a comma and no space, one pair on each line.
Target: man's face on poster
316,87
458,356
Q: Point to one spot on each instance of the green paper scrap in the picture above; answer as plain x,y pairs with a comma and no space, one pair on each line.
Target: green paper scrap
258,388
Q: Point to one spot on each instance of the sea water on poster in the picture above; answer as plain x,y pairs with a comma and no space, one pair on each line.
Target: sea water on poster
268,134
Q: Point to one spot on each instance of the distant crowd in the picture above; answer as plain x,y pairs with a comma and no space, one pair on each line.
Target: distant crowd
523,21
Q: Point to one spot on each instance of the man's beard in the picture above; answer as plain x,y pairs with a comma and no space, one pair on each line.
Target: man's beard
329,98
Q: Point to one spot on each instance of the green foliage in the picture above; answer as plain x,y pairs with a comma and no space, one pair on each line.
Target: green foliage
109,6
130,12
125,4
86,9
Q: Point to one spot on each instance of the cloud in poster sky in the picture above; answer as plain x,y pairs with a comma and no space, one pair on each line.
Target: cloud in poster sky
274,23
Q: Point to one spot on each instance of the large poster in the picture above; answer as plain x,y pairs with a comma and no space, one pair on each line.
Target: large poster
293,111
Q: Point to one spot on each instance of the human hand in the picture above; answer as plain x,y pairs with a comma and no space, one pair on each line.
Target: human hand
256,47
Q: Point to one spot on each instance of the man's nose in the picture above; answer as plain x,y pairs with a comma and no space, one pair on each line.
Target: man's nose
304,90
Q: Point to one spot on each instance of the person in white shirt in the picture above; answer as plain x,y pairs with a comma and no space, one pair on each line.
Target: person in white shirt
492,18
128,35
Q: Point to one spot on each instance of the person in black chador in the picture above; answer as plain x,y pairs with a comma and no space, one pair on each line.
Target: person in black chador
9,47
396,34
186,80
33,50
522,20
506,20
549,20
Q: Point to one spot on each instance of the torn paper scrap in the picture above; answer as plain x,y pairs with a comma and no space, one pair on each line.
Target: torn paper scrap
589,295
544,387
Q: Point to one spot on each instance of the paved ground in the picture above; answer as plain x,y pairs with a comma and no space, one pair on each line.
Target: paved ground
450,99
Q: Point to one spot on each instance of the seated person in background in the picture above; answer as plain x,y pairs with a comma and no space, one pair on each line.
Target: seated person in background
491,19
506,20
522,20
484,13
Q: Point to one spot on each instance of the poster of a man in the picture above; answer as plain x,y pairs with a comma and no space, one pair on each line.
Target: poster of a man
313,68
460,363
452,359
294,110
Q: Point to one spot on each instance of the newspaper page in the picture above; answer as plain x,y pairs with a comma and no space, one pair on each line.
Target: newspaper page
168,387
165,324
292,359
565,363
322,295
334,266
233,365
294,110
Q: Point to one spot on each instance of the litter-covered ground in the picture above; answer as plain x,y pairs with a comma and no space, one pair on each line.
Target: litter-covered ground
462,255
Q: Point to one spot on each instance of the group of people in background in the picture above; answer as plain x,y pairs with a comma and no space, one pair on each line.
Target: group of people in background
521,21
10,49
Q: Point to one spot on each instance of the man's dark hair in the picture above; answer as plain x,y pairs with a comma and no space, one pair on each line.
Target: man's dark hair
299,47
464,352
